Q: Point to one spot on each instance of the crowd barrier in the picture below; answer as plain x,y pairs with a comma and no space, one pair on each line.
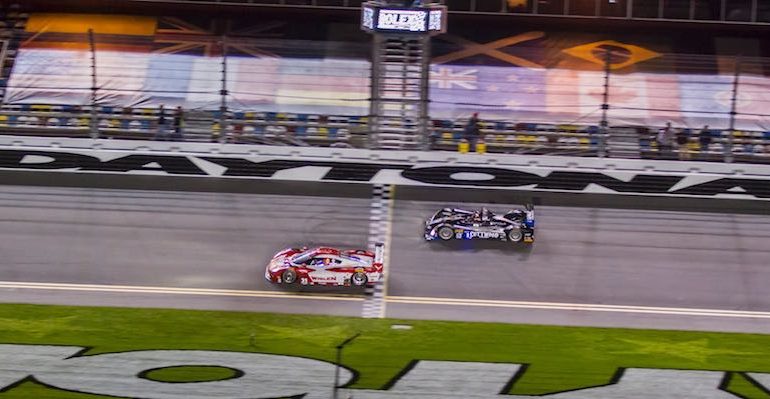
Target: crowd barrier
745,146
295,129
198,126
312,129
518,137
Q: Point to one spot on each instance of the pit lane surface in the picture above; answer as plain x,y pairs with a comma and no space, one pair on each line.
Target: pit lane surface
221,241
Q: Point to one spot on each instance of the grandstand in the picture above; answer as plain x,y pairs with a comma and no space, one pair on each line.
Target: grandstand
282,88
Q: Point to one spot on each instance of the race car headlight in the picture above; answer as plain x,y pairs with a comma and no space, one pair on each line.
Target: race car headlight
275,264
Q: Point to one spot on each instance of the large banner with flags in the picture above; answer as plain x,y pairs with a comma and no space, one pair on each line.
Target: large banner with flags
560,77
532,76
173,62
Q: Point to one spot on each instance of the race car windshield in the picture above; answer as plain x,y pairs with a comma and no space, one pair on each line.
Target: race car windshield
302,257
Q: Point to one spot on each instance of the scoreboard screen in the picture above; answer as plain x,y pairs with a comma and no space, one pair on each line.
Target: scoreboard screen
425,20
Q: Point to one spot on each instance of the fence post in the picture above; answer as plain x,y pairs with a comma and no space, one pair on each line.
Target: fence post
728,150
603,131
223,95
94,114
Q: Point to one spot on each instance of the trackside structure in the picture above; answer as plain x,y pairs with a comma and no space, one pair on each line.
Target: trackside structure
401,70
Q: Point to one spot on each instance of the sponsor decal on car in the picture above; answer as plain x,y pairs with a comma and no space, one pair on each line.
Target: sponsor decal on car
262,376
538,179
482,234
323,278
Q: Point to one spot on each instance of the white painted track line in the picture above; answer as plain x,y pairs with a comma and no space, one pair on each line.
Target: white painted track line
579,306
176,291
391,299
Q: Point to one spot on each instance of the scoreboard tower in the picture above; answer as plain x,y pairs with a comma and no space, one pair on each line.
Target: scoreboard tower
401,30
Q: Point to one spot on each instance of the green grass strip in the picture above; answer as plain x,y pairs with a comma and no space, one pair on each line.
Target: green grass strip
191,374
559,358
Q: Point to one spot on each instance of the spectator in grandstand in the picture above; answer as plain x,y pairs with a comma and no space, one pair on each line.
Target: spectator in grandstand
704,138
433,138
160,132
472,132
178,124
682,141
665,139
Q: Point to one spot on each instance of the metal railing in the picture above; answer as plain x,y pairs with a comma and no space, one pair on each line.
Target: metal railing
350,131
751,12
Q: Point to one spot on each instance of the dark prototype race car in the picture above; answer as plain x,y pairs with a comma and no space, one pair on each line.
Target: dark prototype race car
453,223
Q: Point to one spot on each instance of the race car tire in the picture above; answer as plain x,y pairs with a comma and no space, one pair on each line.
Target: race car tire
289,276
359,279
445,233
515,235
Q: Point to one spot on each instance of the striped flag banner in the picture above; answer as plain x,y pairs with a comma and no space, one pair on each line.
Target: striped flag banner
574,96
323,85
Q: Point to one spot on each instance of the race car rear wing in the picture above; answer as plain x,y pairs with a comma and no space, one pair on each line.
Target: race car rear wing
530,216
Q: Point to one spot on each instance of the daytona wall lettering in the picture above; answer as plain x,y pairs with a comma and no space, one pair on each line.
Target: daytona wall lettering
48,160
262,376
495,177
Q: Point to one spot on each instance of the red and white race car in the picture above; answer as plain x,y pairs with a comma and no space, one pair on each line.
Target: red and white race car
326,266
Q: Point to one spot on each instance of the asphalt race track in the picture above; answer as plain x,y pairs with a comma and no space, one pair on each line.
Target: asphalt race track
601,256
597,256
637,268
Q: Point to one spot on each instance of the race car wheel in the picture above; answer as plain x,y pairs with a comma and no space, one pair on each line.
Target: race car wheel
289,276
445,233
359,279
515,235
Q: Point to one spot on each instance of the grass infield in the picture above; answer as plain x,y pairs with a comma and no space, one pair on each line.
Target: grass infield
559,358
